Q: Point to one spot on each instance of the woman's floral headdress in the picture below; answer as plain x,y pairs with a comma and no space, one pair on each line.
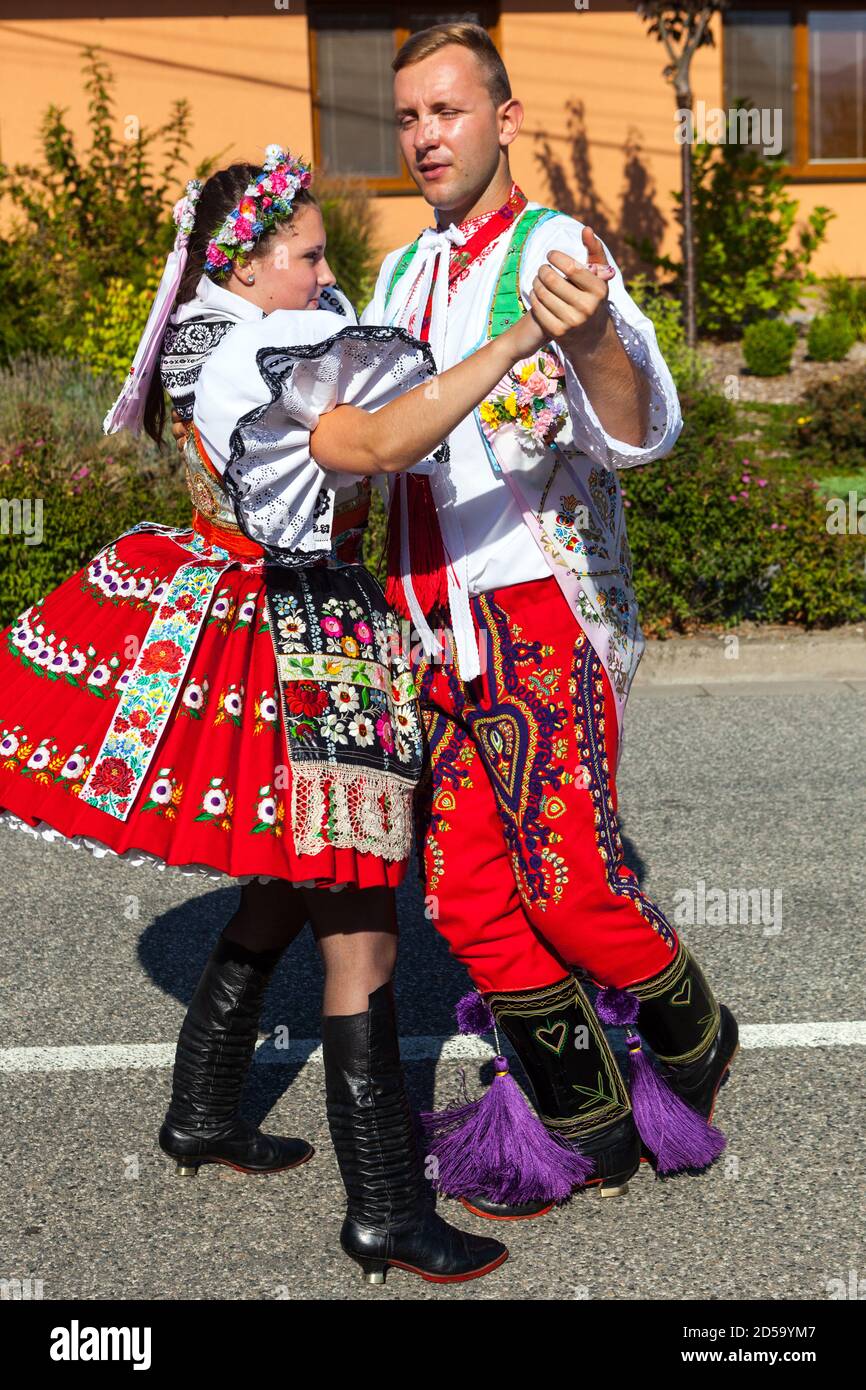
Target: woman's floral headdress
265,202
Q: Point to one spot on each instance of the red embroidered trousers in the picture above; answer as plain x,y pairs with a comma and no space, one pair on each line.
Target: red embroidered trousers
517,831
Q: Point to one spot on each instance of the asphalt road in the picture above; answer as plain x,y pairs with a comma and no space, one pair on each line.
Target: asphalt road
749,791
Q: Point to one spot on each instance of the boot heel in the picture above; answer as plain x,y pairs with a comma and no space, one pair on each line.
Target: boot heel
613,1189
372,1270
185,1169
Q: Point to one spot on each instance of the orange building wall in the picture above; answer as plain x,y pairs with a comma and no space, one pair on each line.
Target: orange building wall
247,79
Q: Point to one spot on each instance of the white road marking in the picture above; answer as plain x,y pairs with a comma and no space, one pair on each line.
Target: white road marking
457,1048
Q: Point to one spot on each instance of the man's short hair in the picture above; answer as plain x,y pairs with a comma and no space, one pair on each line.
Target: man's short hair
468,35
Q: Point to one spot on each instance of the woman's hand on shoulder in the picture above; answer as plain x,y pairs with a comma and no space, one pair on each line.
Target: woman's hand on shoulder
179,430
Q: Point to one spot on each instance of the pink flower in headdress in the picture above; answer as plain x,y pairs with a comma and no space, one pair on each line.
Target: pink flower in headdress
278,182
247,208
215,256
305,178
266,202
243,229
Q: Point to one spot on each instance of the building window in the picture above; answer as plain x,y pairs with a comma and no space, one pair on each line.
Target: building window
351,83
808,64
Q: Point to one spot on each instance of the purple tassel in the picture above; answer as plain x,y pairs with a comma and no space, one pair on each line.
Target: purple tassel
473,1014
617,1007
496,1147
677,1135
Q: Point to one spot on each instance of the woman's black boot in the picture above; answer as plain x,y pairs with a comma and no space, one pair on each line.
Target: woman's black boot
390,1216
214,1052
577,1086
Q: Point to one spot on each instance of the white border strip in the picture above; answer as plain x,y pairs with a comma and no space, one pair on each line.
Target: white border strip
457,1048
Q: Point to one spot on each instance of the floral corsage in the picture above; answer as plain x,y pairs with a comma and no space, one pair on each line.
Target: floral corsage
528,396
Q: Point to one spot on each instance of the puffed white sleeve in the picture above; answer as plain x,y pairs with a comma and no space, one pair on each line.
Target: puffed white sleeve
638,337
277,377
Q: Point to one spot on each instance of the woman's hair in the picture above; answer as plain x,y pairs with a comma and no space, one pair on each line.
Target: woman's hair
222,192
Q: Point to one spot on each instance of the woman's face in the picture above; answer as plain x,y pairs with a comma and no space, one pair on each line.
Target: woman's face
292,268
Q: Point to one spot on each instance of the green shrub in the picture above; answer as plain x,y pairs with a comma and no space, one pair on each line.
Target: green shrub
111,326
746,267
714,543
832,425
92,486
831,337
349,219
844,296
88,217
768,347
687,367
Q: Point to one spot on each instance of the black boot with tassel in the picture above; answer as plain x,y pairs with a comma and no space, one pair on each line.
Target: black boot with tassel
501,1159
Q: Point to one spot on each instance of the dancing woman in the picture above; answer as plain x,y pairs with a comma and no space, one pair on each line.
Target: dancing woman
231,697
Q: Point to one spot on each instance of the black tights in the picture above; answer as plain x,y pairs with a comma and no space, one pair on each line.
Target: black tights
355,931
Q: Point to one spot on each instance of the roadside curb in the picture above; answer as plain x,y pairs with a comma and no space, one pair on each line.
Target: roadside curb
751,659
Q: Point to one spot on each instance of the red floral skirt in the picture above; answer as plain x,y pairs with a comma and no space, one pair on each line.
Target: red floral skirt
216,797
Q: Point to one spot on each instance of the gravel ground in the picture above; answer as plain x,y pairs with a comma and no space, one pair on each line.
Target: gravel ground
726,360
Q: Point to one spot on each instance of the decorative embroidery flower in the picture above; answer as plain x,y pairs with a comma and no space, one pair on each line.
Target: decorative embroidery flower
195,696
9,746
221,605
363,632
75,764
112,775
332,626
350,646
267,707
385,731
267,810
334,728
161,656
41,757
345,697
362,730
214,801
403,720
58,663
291,628
306,698
99,675
160,791
233,703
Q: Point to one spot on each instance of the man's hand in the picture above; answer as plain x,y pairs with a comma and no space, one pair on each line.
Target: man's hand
572,310
572,307
179,430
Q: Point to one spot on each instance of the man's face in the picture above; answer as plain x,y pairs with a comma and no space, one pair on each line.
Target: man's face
448,127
